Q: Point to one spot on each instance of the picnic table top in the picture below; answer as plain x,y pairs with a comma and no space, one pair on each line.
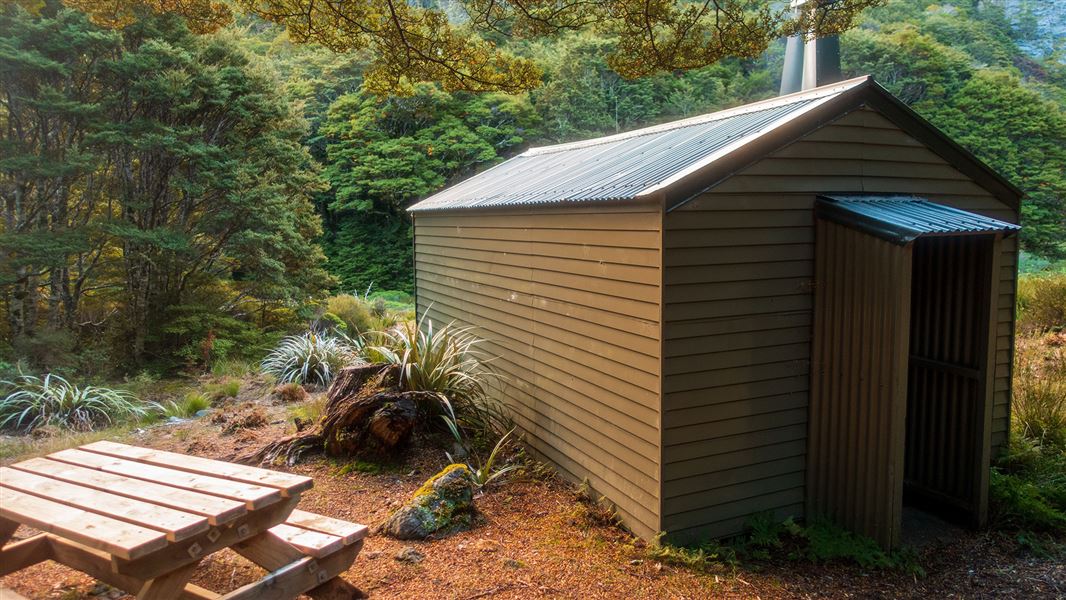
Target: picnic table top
130,501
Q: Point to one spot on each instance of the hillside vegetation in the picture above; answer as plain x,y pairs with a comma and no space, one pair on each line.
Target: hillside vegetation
186,200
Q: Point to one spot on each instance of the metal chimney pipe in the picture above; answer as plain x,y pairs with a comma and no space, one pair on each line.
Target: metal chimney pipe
809,64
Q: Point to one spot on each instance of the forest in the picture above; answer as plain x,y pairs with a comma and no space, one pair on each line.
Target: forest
174,198
205,249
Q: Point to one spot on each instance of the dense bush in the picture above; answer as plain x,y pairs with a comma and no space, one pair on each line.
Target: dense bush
353,312
29,402
311,358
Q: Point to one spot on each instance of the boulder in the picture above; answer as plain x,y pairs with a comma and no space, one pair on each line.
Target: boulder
445,503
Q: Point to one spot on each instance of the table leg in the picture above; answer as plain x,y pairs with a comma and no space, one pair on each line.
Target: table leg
166,587
97,565
273,553
7,529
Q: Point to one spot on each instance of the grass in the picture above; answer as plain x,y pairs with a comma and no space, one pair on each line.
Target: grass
187,407
221,391
310,410
1039,403
232,368
1041,303
14,448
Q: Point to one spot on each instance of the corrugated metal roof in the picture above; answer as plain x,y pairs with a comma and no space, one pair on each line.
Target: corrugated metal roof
627,165
901,219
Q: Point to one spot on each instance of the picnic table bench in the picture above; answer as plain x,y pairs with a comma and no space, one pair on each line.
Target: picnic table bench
142,520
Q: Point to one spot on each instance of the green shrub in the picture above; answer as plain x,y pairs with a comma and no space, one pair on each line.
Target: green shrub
444,360
28,402
1027,488
1041,302
768,538
192,403
353,312
311,358
828,542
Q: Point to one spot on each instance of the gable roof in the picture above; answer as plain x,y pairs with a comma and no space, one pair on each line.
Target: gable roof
675,161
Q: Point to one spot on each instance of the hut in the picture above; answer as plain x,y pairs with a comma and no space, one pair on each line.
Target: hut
801,306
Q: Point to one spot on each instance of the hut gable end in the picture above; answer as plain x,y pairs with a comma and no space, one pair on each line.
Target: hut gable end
737,309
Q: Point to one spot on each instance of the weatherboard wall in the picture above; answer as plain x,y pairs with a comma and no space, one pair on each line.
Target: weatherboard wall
737,310
568,299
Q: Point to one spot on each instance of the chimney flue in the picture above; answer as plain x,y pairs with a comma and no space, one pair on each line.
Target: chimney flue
809,64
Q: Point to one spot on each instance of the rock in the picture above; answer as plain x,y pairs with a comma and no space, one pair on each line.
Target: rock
372,555
444,503
204,412
409,555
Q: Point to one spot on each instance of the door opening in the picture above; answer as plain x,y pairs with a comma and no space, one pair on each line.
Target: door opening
946,375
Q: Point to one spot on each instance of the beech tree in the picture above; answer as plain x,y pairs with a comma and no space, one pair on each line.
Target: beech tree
149,170
451,42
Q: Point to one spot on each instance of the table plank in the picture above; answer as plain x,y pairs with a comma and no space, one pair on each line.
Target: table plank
287,482
349,532
254,496
97,531
176,524
217,510
312,543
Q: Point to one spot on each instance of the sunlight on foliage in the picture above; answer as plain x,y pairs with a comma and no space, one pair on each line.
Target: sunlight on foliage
311,358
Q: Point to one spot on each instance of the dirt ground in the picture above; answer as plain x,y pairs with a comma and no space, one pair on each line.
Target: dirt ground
536,541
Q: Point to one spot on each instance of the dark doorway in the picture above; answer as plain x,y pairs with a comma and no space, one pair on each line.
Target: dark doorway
947,368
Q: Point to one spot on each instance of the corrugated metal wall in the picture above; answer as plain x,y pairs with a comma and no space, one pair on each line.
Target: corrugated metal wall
859,381
568,299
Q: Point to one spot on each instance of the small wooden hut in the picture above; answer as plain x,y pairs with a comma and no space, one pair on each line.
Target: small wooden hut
802,306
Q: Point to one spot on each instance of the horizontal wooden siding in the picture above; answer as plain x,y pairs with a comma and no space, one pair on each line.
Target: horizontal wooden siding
568,300
738,270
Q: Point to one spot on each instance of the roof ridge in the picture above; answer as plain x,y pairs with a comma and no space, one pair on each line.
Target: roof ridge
805,95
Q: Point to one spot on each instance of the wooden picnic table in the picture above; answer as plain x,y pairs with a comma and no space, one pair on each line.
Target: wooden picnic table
142,520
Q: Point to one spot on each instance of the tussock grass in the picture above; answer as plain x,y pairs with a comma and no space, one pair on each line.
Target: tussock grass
311,358
28,402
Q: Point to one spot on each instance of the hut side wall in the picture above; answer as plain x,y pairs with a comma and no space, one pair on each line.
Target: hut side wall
569,300
738,270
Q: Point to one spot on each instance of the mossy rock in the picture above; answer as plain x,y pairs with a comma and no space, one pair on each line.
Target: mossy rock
445,503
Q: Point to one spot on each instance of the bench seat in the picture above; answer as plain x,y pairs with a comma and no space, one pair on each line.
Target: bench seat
317,535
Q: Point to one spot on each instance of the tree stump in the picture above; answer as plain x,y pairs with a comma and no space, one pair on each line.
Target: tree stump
365,414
